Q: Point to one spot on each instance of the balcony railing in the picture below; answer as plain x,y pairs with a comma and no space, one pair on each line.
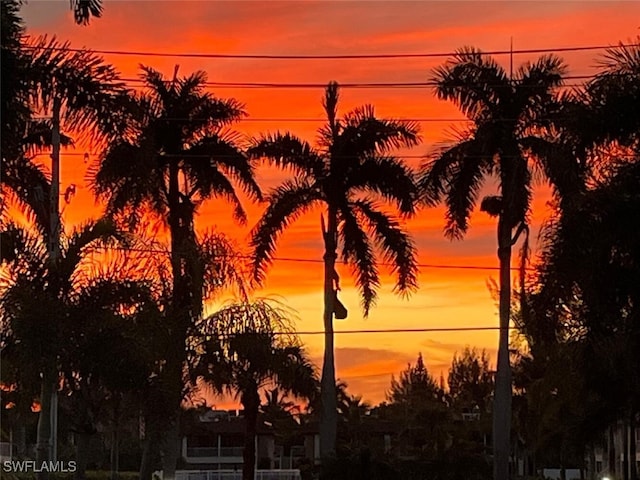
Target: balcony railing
214,452
236,475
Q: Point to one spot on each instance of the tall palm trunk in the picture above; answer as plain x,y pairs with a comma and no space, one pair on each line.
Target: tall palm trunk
115,441
251,404
329,407
625,451
180,224
115,454
593,474
633,465
151,442
612,452
502,396
83,440
43,448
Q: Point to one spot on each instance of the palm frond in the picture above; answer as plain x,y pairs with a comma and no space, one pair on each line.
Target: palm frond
535,84
357,251
288,151
222,263
561,167
473,81
622,59
213,183
31,187
395,243
330,102
242,347
83,10
455,174
157,88
213,152
90,89
128,175
462,194
363,134
102,230
25,254
40,135
389,177
286,203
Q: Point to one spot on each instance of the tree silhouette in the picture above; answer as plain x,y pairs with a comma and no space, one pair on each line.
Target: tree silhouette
350,169
176,155
240,349
508,116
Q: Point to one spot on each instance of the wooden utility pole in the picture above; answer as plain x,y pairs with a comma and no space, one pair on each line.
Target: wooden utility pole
48,419
54,250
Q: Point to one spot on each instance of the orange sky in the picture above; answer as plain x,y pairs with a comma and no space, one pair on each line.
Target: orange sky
447,297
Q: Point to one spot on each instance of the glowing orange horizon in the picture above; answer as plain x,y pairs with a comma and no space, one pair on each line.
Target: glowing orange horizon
447,297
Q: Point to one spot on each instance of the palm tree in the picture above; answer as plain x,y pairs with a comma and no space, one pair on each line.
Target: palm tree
243,348
83,10
79,90
176,155
508,114
612,98
590,269
33,290
351,167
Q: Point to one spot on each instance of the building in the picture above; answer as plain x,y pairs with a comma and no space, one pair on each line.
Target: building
214,440
614,444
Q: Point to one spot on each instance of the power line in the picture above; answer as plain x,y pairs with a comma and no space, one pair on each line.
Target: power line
399,157
331,57
308,260
398,330
424,84
400,85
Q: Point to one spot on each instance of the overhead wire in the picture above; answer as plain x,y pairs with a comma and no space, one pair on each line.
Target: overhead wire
390,85
400,330
304,260
331,57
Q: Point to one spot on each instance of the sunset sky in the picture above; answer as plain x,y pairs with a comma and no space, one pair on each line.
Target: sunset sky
448,297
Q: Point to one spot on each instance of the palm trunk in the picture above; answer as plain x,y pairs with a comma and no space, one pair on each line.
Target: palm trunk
171,449
83,439
329,413
502,396
181,314
251,404
171,396
625,451
20,439
43,448
150,448
612,452
592,462
633,466
115,453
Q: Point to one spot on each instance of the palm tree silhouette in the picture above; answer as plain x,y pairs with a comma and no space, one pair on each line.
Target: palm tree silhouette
176,155
350,169
76,88
241,350
509,117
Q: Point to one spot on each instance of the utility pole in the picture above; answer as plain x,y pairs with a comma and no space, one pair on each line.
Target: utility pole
54,250
511,61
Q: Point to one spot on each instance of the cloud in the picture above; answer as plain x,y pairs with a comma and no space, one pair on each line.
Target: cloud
367,371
